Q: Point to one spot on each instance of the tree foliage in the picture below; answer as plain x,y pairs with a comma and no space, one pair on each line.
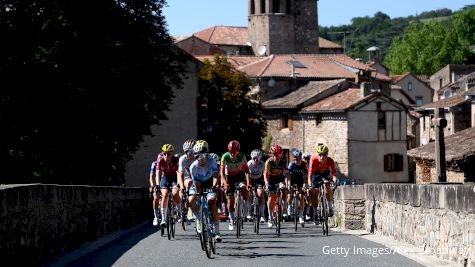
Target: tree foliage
425,48
82,81
225,110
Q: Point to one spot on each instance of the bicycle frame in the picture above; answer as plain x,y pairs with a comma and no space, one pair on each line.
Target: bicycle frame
207,236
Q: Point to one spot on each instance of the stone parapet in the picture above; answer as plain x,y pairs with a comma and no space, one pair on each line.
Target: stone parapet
437,218
38,222
350,207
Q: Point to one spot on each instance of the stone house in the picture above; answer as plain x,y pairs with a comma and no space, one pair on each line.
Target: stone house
418,90
459,157
448,75
378,66
181,124
366,130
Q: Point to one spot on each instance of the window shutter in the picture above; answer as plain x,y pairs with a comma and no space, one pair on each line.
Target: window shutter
290,122
399,163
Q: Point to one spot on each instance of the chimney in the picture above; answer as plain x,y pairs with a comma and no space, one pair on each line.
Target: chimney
365,89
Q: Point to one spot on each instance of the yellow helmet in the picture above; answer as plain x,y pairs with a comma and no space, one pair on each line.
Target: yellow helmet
322,149
168,148
201,146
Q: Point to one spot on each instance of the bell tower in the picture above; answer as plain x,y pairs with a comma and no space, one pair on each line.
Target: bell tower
283,26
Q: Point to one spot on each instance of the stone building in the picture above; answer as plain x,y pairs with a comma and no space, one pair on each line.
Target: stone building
181,124
418,90
283,26
459,157
365,130
447,75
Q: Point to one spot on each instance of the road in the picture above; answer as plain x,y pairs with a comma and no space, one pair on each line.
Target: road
307,247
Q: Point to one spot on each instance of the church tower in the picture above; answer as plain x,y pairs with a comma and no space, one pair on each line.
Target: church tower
283,26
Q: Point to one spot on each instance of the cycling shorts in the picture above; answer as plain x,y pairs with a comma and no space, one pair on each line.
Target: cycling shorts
233,180
203,185
320,177
168,182
258,183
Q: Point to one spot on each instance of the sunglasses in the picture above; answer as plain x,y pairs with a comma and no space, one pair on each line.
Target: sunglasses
201,156
323,155
255,158
297,158
167,153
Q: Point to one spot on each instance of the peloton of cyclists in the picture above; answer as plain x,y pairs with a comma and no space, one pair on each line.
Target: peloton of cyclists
320,169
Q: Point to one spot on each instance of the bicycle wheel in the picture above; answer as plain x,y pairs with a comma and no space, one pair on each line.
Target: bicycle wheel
169,234
205,233
173,221
212,236
255,211
279,214
238,217
323,215
184,212
295,207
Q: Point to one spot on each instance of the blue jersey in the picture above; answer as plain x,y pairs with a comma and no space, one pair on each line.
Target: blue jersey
297,173
153,168
203,173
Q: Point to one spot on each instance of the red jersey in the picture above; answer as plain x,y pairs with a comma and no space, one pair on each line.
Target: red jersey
316,166
168,169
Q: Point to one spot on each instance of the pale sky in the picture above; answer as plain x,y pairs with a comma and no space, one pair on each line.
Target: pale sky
185,17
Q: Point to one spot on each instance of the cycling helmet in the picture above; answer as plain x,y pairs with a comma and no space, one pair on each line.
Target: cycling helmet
306,156
322,149
167,148
215,157
256,153
188,145
201,146
276,149
297,153
234,146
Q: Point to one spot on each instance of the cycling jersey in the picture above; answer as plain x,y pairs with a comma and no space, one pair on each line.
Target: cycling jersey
297,172
276,169
233,166
256,170
168,169
184,164
316,166
203,173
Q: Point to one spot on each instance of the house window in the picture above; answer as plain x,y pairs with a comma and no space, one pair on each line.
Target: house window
287,6
409,86
276,6
393,163
419,101
286,121
263,6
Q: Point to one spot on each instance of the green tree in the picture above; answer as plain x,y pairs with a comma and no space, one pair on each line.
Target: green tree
82,82
226,112
464,25
424,49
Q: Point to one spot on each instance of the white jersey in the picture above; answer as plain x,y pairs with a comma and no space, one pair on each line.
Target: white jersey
256,170
184,164
203,173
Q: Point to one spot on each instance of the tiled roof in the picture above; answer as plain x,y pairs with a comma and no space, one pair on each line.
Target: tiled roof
324,43
470,91
380,76
399,89
316,66
445,103
224,35
236,61
337,102
458,146
301,95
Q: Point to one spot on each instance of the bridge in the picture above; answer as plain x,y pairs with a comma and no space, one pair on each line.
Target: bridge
40,224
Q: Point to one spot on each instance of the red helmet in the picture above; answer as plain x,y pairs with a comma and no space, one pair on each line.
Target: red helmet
234,146
276,149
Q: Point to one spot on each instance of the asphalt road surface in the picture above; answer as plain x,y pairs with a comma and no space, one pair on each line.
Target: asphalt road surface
307,247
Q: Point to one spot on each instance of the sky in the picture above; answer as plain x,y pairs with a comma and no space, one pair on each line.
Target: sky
185,17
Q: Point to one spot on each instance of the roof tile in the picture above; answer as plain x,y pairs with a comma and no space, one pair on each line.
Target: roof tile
224,35
340,101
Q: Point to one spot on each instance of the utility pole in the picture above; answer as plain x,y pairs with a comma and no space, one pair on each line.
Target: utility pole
439,125
344,39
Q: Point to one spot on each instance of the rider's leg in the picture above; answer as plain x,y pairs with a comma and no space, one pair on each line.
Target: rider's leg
260,195
247,201
164,205
329,194
156,207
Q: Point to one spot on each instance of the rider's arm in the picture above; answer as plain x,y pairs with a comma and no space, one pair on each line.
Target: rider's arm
158,174
310,171
223,176
266,174
333,171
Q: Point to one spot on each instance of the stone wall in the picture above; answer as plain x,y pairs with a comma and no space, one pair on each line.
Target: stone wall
438,219
350,207
38,222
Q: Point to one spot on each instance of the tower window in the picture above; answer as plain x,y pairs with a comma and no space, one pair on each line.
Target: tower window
253,7
276,6
287,6
263,6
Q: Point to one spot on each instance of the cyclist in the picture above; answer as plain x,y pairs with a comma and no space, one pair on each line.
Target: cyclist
234,170
306,158
184,164
298,173
204,173
256,170
275,174
167,167
155,192
219,192
320,169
